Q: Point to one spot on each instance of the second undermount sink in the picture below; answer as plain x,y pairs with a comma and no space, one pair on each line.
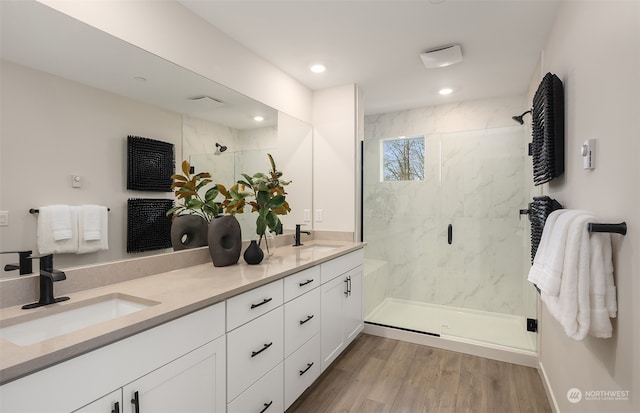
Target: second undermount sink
55,321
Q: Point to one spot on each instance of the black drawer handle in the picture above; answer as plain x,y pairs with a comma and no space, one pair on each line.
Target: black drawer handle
116,407
136,402
307,369
309,317
302,284
266,346
450,234
266,406
266,300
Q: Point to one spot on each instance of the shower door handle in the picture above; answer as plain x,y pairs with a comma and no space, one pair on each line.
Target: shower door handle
450,234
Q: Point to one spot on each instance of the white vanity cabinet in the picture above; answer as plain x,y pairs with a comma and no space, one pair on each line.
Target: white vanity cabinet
341,316
178,360
255,343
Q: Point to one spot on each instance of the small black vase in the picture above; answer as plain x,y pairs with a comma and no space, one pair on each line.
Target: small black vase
253,254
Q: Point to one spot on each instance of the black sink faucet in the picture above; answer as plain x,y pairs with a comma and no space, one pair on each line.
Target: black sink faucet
296,238
24,264
48,275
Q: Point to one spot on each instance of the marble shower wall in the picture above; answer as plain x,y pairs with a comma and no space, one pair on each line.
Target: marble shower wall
473,180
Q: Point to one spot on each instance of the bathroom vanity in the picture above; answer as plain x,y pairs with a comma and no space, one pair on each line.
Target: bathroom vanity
231,339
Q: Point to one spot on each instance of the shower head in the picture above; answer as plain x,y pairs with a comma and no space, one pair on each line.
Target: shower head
220,148
519,118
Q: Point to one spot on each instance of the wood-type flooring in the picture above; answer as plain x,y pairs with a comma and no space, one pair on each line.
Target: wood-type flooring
380,375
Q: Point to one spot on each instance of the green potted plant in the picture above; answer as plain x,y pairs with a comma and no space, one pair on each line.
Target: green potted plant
193,212
266,195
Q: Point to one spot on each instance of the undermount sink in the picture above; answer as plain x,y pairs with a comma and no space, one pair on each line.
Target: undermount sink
55,321
319,247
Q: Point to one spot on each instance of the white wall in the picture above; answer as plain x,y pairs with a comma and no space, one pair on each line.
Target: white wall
334,158
594,48
52,128
171,31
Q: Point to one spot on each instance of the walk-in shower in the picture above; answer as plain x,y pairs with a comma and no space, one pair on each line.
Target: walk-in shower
447,250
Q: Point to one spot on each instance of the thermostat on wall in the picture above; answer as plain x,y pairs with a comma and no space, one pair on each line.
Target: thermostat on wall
588,152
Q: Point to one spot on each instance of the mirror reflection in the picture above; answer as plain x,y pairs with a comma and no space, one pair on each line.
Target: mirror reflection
70,96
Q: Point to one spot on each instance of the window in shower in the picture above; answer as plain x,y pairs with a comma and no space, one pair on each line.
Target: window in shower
403,159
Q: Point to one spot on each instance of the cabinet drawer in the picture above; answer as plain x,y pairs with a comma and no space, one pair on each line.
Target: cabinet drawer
301,320
331,269
264,396
299,283
252,350
247,306
301,369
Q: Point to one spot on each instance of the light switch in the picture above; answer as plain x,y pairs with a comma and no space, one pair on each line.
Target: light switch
318,215
307,215
4,218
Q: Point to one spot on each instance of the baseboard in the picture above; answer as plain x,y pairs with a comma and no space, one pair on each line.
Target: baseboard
494,352
547,388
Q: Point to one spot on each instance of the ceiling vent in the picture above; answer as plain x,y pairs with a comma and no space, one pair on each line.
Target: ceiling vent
207,102
441,56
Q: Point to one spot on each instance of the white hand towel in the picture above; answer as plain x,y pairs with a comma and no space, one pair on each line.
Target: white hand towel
570,307
546,271
602,289
61,222
46,242
93,229
91,222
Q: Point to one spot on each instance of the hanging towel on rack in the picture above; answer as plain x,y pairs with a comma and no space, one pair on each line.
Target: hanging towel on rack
574,271
57,229
93,228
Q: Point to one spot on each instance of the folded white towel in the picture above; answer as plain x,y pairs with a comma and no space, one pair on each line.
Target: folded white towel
571,305
47,244
93,229
546,271
602,294
60,222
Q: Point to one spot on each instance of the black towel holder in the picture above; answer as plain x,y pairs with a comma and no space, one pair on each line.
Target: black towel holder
37,211
620,228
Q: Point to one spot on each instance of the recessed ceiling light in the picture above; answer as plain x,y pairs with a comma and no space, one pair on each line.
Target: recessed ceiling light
258,118
445,91
318,68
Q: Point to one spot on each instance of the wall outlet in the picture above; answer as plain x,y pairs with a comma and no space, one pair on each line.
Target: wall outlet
318,215
4,218
307,215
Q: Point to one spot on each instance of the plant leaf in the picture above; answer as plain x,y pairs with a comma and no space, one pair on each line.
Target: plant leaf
186,168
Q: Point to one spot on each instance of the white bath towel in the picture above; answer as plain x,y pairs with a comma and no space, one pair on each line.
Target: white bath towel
93,228
47,244
546,271
602,294
60,222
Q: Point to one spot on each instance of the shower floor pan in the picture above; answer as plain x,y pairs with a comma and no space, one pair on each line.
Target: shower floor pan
495,328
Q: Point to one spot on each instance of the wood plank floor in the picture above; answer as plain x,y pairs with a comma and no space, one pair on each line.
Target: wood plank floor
380,375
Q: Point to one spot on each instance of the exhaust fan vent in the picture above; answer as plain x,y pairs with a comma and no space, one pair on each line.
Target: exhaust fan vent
441,56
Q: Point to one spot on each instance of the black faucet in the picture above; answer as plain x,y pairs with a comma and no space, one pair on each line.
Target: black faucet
48,275
297,236
24,265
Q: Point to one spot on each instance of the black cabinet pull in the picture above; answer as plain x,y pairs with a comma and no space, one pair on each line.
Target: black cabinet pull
307,369
302,284
346,281
116,407
450,234
136,402
266,346
266,406
266,300
309,317
349,284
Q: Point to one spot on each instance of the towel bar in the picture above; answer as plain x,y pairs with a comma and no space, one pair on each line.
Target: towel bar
620,228
36,211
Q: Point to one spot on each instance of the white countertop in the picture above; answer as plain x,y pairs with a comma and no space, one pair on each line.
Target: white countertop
178,293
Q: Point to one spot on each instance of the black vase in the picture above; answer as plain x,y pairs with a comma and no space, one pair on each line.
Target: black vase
188,231
225,240
253,254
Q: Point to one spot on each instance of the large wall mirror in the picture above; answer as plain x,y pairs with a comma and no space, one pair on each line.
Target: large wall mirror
70,96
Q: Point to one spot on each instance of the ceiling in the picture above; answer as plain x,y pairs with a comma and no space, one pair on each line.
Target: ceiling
376,44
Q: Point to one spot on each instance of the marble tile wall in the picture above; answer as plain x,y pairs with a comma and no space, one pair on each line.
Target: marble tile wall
474,181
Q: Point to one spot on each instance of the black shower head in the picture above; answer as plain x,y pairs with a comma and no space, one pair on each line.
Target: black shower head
220,148
519,118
